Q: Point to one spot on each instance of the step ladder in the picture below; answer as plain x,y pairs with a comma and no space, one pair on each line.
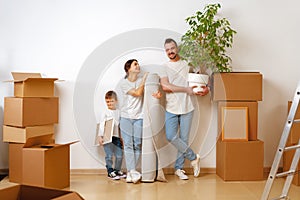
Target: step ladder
281,148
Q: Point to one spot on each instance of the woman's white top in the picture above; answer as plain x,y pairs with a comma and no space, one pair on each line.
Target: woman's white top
132,107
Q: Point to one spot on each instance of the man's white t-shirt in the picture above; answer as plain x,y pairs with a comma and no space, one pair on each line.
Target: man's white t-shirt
177,73
132,107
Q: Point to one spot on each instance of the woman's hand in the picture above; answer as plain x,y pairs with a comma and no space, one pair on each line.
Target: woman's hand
157,94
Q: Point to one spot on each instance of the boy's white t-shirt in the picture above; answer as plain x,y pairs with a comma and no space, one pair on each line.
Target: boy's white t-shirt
177,73
132,107
107,115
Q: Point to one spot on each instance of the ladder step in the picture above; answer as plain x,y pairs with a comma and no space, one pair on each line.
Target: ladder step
287,173
282,197
292,147
296,120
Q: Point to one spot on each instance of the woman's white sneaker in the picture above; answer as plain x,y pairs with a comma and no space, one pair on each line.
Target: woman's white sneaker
135,176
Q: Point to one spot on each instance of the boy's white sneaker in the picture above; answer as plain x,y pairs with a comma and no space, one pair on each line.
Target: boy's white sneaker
181,174
196,165
135,176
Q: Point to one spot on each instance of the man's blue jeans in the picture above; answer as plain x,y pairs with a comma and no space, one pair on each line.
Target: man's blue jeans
131,130
115,148
180,139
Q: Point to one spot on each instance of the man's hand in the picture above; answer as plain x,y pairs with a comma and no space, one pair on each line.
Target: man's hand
204,92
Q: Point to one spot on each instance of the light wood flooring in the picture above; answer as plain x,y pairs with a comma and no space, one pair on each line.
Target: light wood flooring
207,186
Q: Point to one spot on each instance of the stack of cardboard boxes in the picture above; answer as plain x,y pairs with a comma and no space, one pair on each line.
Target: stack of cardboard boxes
242,156
29,118
292,140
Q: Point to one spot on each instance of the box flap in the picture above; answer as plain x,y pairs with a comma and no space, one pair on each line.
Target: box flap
45,139
70,196
23,76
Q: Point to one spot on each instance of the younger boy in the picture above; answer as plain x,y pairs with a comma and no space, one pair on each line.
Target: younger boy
114,148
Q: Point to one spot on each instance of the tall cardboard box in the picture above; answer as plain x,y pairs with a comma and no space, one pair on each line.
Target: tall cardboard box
30,111
21,134
15,156
287,161
240,161
237,86
252,115
47,165
26,192
32,85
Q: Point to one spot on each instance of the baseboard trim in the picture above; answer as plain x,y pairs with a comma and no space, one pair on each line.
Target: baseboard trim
3,171
167,171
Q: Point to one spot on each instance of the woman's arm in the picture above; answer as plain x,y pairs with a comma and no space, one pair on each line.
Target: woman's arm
137,92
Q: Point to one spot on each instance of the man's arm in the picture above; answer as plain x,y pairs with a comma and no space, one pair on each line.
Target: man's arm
170,88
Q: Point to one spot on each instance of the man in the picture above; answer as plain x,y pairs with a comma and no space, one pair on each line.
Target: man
179,108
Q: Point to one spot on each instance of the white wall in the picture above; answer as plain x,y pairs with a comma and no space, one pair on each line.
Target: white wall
55,37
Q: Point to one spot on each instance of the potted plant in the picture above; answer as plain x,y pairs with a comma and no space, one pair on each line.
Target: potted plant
205,43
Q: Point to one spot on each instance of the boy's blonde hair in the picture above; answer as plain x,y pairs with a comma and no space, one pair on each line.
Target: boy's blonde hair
111,95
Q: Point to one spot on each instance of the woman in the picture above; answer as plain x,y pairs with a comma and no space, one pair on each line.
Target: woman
131,122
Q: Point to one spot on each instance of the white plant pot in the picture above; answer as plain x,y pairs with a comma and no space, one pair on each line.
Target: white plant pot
197,80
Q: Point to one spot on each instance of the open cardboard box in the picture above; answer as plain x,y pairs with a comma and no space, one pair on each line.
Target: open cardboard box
46,165
30,111
25,192
20,135
15,157
32,85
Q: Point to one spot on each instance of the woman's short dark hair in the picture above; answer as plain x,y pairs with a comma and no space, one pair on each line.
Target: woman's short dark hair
128,65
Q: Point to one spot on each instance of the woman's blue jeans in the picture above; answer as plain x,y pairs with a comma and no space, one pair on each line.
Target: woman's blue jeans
131,131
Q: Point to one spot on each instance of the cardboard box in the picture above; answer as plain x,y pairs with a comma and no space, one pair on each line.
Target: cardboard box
287,161
20,135
237,86
240,161
25,192
295,130
30,111
47,165
15,156
252,118
32,85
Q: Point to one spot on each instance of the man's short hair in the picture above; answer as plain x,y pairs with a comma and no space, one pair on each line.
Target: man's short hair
169,40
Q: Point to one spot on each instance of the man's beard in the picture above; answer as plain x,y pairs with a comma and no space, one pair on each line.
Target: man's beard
172,56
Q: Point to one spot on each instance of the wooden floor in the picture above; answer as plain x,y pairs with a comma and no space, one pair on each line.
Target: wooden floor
207,186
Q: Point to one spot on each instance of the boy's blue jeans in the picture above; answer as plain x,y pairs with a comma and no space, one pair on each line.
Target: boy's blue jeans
180,140
131,131
115,148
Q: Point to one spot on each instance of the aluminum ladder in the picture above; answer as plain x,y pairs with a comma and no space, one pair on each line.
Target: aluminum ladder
281,148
